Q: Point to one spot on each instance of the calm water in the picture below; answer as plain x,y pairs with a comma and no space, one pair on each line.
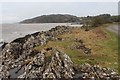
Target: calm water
13,31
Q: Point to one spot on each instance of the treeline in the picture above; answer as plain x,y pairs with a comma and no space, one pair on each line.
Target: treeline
95,21
53,18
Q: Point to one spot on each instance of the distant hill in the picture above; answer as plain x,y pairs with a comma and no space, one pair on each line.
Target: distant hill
53,18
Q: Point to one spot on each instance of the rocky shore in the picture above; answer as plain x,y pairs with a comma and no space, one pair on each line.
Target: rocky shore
18,59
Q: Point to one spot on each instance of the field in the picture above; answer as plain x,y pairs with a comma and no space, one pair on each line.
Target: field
103,45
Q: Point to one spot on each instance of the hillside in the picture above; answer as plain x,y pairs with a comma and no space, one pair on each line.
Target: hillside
61,53
53,18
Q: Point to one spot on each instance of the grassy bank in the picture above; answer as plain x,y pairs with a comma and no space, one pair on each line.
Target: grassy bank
104,45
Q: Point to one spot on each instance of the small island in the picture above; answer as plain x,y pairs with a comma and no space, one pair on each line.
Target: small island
53,18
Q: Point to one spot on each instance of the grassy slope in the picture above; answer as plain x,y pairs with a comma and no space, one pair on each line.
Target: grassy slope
102,42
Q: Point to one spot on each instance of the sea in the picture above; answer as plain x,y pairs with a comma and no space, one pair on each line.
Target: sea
12,31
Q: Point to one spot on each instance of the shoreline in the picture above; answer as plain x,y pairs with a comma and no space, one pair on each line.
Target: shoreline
22,56
13,31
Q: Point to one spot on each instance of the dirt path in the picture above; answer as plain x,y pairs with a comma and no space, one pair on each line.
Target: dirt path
114,28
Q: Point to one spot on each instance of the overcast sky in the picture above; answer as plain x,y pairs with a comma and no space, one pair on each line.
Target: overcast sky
17,11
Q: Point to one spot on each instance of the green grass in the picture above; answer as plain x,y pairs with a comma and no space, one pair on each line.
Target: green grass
110,49
106,56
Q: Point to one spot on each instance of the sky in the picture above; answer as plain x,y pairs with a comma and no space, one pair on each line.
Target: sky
12,12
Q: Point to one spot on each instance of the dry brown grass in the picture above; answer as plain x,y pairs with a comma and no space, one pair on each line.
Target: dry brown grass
102,43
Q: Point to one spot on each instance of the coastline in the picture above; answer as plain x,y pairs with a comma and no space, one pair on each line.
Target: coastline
24,55
13,31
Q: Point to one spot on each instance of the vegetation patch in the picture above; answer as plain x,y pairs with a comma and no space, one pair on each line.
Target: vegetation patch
103,45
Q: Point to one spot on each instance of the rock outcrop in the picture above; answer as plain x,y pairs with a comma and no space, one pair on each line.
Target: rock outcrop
18,59
56,65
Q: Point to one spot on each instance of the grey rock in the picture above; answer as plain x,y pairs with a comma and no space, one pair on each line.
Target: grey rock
19,58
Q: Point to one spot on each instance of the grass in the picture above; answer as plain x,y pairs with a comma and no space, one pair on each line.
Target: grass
111,46
104,45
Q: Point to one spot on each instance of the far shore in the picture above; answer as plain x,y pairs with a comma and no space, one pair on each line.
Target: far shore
16,30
